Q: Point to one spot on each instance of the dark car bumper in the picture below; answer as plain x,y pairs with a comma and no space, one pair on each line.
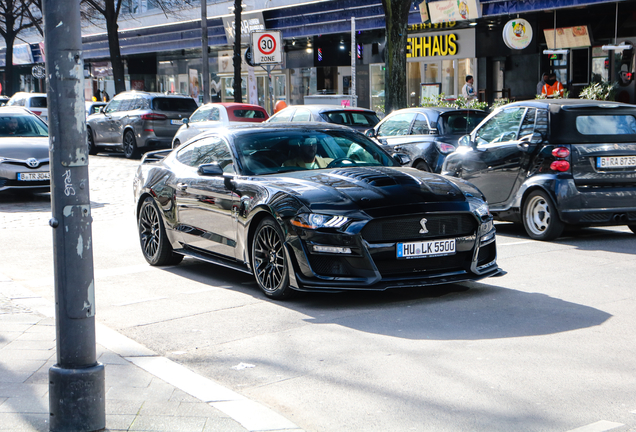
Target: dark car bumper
375,266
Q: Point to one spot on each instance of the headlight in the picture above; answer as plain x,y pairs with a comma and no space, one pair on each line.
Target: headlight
479,207
315,221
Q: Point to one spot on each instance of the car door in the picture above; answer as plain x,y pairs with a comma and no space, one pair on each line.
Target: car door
206,208
494,162
101,123
416,142
120,118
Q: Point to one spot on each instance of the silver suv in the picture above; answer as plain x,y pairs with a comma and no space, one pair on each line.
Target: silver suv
138,121
34,102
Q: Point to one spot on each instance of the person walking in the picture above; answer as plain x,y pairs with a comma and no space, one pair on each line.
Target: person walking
468,91
541,83
553,87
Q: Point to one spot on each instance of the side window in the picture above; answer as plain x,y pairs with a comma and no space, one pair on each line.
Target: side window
541,124
126,104
420,125
302,115
215,115
208,150
503,127
282,116
527,125
397,125
112,106
200,115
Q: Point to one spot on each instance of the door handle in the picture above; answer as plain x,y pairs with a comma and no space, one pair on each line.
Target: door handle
182,186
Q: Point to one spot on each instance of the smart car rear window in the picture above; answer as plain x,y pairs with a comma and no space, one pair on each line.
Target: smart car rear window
38,102
606,125
249,113
174,104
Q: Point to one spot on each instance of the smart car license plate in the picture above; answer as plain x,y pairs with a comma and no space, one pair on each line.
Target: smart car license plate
34,176
178,122
426,249
616,162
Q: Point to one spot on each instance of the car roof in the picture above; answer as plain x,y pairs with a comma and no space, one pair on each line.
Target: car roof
556,104
12,109
29,94
239,129
321,107
154,94
235,105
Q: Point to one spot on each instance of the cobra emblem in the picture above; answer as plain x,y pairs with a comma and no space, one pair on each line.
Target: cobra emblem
424,230
32,162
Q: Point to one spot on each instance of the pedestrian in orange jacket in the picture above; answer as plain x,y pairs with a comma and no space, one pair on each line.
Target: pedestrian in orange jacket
553,87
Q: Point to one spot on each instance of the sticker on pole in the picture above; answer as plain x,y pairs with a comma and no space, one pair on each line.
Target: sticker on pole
267,47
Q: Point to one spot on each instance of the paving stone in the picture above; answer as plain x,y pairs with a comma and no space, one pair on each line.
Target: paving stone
166,423
119,421
24,422
26,405
123,407
128,374
12,390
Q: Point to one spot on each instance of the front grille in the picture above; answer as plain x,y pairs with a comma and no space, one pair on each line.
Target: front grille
329,266
408,227
391,266
631,216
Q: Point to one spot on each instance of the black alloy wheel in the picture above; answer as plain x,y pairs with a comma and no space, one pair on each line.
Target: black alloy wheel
540,217
130,145
270,266
92,149
152,236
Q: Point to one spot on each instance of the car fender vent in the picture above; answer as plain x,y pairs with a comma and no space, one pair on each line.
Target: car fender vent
376,176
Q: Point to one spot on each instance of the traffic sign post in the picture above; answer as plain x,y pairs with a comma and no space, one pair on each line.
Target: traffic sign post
267,51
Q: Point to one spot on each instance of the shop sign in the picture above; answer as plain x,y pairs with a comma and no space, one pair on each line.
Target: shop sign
517,34
454,10
250,21
568,37
457,44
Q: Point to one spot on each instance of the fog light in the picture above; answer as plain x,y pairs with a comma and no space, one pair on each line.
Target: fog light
332,249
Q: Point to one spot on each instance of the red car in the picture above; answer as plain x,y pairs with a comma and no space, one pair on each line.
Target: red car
213,115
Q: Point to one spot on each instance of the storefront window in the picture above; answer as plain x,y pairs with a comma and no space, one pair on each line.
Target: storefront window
377,87
303,82
448,78
228,89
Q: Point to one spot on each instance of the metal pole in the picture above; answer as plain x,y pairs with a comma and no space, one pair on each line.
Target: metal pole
204,52
354,56
76,381
238,97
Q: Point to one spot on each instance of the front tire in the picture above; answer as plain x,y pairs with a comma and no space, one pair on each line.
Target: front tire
130,145
152,235
269,263
540,217
92,149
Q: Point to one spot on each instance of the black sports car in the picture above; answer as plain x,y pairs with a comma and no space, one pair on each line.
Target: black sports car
310,207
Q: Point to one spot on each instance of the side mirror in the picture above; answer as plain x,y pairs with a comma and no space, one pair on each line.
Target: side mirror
186,121
465,141
401,158
211,169
370,133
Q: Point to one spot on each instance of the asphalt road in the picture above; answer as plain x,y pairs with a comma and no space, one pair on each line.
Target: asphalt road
548,347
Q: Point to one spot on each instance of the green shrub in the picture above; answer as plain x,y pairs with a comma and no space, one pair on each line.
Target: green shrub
460,102
603,90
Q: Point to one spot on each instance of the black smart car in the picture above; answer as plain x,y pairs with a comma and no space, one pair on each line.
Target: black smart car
425,134
310,207
552,163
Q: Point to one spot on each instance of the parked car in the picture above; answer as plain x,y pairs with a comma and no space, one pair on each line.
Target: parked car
4,100
218,114
135,122
554,163
93,107
34,102
426,135
237,197
24,151
356,118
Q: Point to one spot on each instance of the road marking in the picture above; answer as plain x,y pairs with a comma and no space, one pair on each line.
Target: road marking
599,426
140,301
516,243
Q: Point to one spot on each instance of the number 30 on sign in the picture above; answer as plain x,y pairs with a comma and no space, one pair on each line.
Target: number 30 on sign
267,47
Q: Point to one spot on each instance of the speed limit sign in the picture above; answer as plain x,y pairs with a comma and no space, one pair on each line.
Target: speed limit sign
267,47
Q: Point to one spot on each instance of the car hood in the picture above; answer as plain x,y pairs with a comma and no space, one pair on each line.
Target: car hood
368,188
24,148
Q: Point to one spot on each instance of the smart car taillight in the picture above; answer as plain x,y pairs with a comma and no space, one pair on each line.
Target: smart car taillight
561,152
153,116
560,165
37,112
445,148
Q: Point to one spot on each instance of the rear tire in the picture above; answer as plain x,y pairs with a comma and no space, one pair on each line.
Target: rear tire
152,236
130,146
423,166
176,144
269,263
540,217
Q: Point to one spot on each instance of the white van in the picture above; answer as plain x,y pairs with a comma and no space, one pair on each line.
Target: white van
34,102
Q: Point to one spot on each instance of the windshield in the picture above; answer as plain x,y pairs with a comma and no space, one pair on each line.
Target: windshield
267,152
351,118
22,125
461,123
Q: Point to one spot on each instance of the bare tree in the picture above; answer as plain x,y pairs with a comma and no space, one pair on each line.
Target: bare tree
15,16
100,12
396,18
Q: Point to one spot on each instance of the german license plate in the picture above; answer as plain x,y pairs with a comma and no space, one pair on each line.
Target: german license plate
34,176
426,248
179,121
616,162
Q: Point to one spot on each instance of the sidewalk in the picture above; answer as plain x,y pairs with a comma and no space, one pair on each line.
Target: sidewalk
144,391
